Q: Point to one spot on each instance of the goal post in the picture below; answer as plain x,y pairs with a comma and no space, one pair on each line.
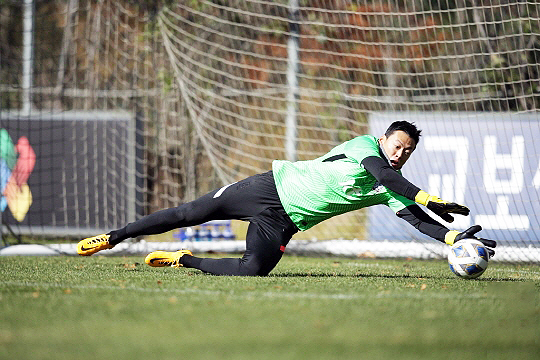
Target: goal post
216,90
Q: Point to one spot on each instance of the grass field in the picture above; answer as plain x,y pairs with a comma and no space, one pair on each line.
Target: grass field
309,308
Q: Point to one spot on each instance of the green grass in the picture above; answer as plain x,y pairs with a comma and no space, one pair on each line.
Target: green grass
309,308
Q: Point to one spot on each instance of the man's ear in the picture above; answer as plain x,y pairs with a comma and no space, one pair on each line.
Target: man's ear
382,138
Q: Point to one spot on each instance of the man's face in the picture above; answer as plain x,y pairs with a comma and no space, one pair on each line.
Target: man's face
398,147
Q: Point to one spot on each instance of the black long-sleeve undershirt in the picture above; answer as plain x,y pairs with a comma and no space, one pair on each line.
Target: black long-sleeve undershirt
415,216
390,178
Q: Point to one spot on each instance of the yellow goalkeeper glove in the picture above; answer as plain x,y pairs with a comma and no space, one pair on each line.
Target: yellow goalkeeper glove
441,207
454,236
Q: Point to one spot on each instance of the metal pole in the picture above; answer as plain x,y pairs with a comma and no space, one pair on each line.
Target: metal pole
28,62
293,94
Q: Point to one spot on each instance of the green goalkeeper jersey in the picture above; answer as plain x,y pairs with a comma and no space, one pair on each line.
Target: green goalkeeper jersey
315,190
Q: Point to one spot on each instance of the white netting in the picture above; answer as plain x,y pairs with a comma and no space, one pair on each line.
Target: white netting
222,88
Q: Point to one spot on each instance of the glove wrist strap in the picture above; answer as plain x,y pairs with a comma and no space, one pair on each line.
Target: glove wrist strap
450,237
422,197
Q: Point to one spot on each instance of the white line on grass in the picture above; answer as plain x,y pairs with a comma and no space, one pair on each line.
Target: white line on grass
253,295
493,268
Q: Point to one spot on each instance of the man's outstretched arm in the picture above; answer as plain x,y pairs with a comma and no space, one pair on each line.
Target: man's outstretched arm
391,179
415,216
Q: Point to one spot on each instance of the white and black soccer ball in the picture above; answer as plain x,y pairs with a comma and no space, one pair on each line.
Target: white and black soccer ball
468,258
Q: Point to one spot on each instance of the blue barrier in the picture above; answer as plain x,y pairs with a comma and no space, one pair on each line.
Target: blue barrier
216,230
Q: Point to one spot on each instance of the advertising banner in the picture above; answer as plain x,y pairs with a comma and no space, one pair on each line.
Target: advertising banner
489,162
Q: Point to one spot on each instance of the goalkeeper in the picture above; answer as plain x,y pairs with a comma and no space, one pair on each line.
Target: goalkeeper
295,196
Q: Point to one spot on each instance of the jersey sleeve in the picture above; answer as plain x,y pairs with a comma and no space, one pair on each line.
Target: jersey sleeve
362,147
397,202
365,150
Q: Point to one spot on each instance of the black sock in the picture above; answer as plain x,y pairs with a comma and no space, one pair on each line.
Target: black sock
117,236
190,261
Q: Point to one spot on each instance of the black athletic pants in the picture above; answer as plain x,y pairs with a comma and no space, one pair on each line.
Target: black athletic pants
254,199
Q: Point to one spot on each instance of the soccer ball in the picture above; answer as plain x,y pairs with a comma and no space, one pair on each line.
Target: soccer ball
468,258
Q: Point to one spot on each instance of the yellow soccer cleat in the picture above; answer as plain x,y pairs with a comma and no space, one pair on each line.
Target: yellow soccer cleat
93,244
166,258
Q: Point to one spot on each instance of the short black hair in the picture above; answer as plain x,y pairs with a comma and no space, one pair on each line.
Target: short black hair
405,126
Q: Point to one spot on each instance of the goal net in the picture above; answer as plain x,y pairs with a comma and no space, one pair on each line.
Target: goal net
193,95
